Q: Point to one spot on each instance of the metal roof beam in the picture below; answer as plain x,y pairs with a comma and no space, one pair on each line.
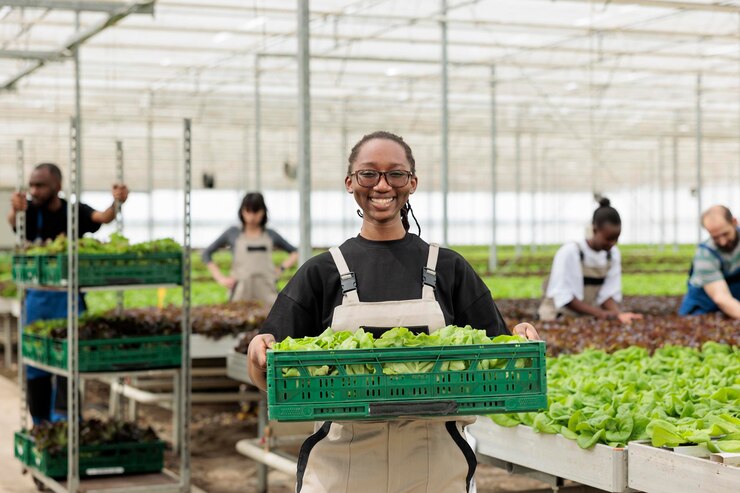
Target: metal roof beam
46,56
140,6
668,4
77,5
433,22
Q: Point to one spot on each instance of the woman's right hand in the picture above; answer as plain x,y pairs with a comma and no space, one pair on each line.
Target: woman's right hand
257,359
227,282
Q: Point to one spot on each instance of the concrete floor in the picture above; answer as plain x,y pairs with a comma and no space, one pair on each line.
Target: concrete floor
11,478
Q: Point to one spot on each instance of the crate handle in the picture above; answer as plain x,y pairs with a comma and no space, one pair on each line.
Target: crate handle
413,408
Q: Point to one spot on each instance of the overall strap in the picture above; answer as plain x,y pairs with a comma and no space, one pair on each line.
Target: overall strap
346,277
589,280
429,273
716,254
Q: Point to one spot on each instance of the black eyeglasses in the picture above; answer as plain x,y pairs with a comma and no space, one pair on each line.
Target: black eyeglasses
369,178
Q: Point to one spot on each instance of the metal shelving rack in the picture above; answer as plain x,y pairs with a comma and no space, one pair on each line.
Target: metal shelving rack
166,481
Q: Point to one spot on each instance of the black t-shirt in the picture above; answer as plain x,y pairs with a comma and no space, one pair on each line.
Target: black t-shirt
47,225
385,271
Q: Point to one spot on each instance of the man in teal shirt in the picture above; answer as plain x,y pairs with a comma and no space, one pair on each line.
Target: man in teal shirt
714,279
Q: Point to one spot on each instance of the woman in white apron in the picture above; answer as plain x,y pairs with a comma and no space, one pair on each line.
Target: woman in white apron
586,276
383,278
253,276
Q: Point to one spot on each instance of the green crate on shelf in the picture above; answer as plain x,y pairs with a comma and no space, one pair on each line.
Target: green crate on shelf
101,355
517,384
27,268
95,460
36,348
114,270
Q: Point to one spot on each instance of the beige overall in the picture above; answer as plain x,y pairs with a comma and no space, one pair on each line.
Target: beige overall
253,270
593,279
396,456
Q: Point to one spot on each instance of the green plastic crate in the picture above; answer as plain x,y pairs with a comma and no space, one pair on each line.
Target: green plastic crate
114,270
100,355
27,269
518,384
95,460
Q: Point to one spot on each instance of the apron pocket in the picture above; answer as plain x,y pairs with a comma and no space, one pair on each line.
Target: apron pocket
466,450
306,448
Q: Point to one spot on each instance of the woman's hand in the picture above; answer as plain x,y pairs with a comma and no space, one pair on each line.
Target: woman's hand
227,282
628,317
526,330
257,359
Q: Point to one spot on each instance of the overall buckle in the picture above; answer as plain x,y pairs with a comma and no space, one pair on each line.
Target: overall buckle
349,283
429,277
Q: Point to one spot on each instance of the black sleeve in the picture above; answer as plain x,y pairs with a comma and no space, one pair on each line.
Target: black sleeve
87,225
472,301
305,305
279,242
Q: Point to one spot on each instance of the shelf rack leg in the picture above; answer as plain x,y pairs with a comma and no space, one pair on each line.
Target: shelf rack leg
8,340
261,427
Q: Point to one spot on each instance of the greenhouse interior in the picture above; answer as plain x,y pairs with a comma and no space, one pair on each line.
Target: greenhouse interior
259,246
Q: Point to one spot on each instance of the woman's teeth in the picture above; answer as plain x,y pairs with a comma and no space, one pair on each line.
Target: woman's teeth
385,201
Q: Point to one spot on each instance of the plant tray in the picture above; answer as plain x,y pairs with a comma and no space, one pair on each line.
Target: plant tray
601,467
100,355
518,384
661,470
27,268
95,460
100,270
236,367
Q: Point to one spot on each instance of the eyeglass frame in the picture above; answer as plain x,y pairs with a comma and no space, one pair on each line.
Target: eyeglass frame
383,174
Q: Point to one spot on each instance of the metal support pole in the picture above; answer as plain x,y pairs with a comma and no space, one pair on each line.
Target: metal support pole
661,194
73,289
675,192
518,190
20,238
185,383
304,130
493,254
150,168
78,97
445,123
698,159
343,142
257,125
119,215
533,164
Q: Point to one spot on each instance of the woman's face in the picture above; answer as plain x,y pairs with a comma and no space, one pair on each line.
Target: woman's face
606,236
253,218
381,203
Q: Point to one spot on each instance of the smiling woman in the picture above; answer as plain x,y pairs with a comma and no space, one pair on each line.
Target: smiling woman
383,278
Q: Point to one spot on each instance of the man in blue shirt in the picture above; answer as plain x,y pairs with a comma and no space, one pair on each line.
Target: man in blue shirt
46,218
714,279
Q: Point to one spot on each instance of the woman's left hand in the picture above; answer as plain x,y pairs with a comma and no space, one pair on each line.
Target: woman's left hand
526,330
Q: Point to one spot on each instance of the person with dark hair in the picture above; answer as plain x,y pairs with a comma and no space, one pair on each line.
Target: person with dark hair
383,278
586,276
714,278
46,218
253,275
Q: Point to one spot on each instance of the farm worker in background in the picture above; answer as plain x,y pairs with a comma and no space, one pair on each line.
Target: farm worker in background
385,277
46,218
253,275
586,276
714,278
